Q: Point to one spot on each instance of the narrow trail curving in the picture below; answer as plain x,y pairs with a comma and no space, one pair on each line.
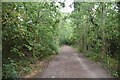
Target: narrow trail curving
69,63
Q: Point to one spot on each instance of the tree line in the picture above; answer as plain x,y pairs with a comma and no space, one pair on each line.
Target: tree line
97,32
32,31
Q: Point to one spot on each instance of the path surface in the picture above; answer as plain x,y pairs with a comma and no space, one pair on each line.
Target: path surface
72,64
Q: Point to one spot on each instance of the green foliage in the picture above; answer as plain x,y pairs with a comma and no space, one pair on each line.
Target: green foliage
33,31
30,30
66,31
9,70
93,56
96,32
115,74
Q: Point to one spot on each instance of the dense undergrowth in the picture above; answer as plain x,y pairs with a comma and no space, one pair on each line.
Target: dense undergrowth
97,32
35,31
29,34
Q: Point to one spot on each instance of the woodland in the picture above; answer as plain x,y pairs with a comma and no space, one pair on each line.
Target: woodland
34,31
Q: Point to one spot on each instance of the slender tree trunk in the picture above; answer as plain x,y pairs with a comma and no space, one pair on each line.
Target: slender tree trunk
87,28
102,29
84,37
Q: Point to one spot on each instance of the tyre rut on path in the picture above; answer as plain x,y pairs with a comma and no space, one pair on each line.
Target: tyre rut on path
69,63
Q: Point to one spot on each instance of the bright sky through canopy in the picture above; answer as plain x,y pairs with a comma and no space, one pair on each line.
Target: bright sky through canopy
69,7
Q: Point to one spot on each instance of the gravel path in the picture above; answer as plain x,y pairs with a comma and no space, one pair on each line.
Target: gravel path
69,63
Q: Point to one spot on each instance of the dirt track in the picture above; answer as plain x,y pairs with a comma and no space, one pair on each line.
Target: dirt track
72,64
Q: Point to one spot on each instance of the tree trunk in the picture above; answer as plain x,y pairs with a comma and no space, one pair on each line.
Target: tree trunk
102,29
